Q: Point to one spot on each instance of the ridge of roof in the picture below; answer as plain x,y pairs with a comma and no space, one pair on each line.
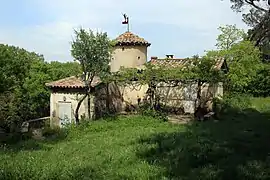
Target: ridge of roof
178,62
128,38
72,82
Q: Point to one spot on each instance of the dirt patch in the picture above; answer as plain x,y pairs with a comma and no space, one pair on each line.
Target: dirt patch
180,119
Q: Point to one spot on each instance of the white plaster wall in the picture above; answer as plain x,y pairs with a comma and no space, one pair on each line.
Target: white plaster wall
182,95
73,99
132,93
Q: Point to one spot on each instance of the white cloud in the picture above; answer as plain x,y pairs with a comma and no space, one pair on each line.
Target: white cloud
53,37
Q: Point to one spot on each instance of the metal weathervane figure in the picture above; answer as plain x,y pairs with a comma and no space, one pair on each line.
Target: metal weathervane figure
126,21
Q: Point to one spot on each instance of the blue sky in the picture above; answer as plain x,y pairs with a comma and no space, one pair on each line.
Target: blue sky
180,27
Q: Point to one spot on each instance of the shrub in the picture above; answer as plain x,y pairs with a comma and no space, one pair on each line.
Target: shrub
260,86
55,132
231,103
157,113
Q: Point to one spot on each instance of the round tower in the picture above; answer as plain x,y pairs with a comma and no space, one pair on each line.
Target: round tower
130,51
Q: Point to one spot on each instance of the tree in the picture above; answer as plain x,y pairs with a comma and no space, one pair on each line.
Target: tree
244,62
23,94
198,70
260,86
229,36
58,70
35,94
92,50
15,64
258,18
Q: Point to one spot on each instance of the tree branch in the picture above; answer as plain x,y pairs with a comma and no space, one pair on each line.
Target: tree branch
251,2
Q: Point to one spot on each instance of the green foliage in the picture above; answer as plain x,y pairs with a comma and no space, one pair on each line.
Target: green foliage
238,101
14,66
260,86
194,69
229,36
92,50
146,110
58,70
244,62
140,147
54,132
256,14
23,95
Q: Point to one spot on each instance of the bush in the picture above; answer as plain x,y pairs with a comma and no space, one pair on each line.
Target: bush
260,86
157,113
231,103
55,132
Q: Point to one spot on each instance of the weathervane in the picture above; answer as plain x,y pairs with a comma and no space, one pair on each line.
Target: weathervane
126,21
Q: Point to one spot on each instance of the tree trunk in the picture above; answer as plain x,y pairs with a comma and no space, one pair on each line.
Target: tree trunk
89,107
152,88
198,101
78,107
108,98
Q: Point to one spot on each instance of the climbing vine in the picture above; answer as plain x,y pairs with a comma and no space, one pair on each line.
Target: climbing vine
191,71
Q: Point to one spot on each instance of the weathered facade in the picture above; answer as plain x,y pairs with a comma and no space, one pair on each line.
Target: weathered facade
65,95
130,51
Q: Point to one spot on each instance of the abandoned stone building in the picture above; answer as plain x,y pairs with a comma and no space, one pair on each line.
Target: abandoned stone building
130,51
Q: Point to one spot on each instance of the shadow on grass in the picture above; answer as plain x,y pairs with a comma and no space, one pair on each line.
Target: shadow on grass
75,173
72,174
236,147
25,142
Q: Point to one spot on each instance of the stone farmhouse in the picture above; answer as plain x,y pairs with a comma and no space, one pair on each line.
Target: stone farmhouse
130,51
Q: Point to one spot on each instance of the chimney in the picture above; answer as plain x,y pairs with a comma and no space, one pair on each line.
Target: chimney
169,56
154,57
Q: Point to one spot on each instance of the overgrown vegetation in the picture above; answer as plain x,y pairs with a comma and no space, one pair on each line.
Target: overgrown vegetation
234,146
139,147
92,50
256,14
23,95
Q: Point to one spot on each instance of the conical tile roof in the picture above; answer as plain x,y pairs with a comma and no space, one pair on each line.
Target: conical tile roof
128,38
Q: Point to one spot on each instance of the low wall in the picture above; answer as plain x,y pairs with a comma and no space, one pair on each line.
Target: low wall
35,124
181,97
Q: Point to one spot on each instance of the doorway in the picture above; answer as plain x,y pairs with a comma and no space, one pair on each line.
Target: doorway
64,113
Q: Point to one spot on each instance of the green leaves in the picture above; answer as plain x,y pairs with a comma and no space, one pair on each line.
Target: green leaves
194,70
256,14
23,74
244,62
229,36
92,50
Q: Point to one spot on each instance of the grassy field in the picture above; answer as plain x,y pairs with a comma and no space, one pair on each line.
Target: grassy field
136,147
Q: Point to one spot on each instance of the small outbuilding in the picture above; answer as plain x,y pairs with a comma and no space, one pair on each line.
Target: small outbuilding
65,95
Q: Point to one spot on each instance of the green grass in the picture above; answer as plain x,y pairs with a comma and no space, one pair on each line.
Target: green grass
136,147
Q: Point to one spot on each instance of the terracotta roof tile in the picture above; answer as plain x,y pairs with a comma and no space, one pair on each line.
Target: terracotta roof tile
181,62
72,82
128,38
170,62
